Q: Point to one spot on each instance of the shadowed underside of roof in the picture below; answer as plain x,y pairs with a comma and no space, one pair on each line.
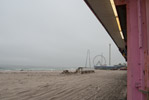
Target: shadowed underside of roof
104,13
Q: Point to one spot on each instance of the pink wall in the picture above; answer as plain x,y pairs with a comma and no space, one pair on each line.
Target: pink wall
134,75
138,45
147,16
147,51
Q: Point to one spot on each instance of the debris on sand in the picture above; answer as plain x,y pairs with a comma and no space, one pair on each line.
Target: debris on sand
81,70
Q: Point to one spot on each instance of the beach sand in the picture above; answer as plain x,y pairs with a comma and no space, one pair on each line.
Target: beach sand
46,85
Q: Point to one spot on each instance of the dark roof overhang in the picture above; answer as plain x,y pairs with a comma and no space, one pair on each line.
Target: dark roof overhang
103,10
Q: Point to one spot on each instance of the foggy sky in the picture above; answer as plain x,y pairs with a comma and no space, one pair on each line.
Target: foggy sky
51,33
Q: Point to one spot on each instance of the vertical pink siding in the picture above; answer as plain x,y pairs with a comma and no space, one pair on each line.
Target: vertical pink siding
138,46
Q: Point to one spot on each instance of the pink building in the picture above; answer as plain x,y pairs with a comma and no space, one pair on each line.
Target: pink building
127,22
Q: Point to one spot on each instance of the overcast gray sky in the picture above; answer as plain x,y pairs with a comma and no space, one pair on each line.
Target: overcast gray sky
51,33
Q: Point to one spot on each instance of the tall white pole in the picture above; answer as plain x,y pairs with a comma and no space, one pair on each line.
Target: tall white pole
109,54
88,59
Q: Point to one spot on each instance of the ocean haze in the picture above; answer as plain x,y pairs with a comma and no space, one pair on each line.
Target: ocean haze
51,33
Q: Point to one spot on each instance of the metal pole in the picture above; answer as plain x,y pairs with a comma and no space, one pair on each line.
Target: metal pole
109,54
88,59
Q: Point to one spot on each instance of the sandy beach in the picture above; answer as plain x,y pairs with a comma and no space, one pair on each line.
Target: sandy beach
46,85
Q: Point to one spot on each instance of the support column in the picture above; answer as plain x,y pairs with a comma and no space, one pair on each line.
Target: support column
147,20
147,47
138,49
135,43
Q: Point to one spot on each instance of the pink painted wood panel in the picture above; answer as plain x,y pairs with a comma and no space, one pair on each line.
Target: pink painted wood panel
135,50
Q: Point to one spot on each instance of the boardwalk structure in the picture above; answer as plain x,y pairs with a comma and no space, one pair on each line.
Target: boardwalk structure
127,22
